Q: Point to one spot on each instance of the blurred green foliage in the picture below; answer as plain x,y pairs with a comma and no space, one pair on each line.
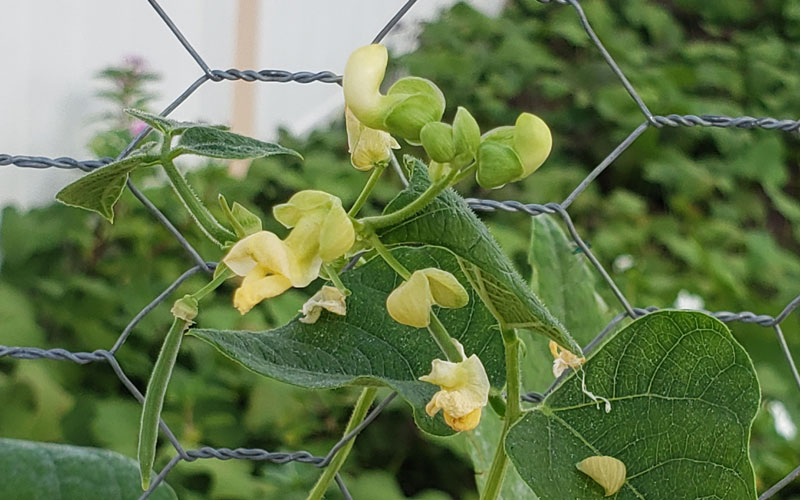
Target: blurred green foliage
710,211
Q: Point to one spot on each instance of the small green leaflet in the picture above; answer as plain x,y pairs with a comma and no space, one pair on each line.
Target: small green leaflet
99,190
45,471
166,125
683,393
215,143
448,222
367,347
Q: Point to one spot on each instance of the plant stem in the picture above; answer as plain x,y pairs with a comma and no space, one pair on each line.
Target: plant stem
444,340
210,226
335,279
412,208
365,192
497,472
436,328
213,284
389,258
359,412
466,172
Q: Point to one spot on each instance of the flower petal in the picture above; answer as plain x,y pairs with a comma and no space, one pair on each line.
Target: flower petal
328,298
410,303
257,287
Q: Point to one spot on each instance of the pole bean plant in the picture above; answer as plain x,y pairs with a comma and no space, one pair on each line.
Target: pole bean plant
423,300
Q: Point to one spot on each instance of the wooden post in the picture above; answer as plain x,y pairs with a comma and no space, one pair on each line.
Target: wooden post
243,119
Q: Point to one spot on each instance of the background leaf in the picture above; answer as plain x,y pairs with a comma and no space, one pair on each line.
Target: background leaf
683,393
566,283
215,143
44,471
367,346
448,222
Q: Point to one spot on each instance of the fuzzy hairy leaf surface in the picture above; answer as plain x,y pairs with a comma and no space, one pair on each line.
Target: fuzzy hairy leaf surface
44,471
99,190
215,143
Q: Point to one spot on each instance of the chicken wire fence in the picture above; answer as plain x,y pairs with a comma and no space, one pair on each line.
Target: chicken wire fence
560,209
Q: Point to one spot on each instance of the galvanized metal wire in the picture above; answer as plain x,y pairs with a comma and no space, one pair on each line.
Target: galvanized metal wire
482,205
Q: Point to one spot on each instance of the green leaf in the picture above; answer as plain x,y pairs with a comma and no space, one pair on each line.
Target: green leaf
566,283
367,346
216,143
683,393
99,190
449,222
249,221
44,471
167,125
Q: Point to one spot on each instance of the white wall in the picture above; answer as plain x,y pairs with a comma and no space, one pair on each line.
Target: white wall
51,51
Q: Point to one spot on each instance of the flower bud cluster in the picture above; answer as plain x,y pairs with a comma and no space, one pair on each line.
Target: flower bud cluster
412,109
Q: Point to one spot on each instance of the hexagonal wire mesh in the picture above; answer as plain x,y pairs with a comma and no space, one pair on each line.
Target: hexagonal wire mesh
213,75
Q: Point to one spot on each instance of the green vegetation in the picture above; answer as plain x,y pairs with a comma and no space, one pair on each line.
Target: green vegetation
710,211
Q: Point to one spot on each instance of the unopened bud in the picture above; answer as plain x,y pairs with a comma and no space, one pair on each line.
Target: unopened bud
437,139
413,103
466,137
498,164
532,142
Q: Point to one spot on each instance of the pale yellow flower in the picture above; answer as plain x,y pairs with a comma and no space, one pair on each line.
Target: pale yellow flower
564,360
321,232
328,298
321,229
368,147
608,472
409,104
268,266
464,391
410,303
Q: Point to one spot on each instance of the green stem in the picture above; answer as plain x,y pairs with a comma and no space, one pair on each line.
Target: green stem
389,258
359,412
412,208
154,398
465,173
210,226
212,285
335,279
497,472
436,328
364,196
444,340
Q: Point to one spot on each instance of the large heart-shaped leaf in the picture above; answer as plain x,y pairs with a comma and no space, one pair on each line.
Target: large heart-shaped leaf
99,190
367,346
215,143
45,471
449,222
683,396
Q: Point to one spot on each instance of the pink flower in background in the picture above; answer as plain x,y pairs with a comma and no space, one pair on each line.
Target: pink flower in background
136,127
